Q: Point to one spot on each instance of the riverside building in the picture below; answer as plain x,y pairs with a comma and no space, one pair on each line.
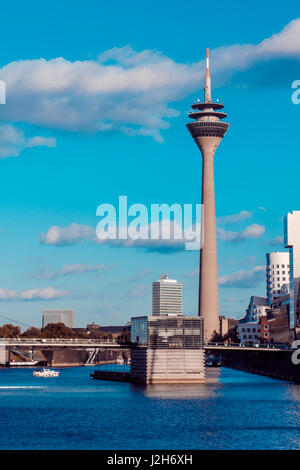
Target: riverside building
167,349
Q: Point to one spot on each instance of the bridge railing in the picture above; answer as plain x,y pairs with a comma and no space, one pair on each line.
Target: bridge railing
282,346
56,340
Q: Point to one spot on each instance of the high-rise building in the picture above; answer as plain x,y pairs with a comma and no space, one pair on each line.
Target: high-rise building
207,130
278,272
292,242
65,316
166,297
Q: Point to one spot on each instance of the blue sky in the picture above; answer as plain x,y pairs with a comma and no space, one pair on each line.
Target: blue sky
97,101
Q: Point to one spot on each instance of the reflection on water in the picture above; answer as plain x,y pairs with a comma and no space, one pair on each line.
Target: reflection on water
184,391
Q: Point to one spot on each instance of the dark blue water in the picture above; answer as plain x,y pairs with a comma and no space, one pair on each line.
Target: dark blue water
233,410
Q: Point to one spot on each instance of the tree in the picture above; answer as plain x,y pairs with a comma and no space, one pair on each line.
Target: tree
32,332
216,337
57,330
10,331
232,335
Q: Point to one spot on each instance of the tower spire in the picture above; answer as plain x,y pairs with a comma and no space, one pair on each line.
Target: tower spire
207,87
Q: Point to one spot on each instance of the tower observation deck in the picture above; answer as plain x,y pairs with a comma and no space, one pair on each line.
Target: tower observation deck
207,130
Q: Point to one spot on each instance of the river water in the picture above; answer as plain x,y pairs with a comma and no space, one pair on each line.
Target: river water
233,410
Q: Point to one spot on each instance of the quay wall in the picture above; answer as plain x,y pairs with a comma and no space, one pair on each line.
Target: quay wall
275,364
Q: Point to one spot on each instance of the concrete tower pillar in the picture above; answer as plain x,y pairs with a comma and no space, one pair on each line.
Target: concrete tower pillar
208,131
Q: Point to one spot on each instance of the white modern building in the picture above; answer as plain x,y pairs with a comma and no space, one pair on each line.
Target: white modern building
292,242
278,271
166,297
65,316
256,308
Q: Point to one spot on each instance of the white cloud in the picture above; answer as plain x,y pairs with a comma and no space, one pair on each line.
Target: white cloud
13,141
163,243
124,90
62,236
252,231
66,270
234,218
47,293
39,141
6,294
243,279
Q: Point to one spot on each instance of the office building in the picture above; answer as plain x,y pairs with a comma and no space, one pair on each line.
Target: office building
278,272
166,297
65,316
207,130
292,242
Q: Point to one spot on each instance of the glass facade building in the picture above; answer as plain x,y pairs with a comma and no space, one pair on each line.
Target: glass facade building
157,332
65,316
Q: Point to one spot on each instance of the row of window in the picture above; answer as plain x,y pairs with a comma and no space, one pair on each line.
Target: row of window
278,266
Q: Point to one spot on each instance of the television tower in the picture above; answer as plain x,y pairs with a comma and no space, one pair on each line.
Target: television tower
207,130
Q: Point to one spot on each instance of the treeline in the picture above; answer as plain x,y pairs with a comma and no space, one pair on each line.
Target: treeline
232,336
52,330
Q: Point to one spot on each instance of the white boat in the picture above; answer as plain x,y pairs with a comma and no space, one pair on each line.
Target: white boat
45,373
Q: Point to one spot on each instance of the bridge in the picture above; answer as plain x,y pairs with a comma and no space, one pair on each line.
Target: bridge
55,352
274,360
61,342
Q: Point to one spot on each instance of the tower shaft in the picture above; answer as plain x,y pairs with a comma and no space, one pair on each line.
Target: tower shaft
208,304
